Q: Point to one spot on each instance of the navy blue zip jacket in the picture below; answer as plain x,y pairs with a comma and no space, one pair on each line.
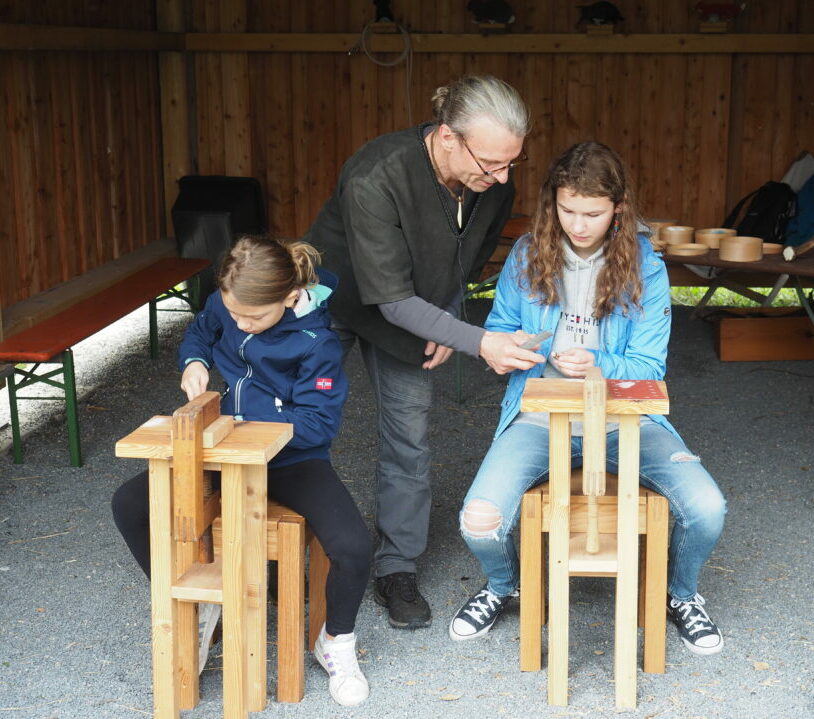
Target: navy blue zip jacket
292,372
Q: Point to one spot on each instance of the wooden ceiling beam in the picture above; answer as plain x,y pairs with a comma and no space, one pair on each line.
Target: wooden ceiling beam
49,37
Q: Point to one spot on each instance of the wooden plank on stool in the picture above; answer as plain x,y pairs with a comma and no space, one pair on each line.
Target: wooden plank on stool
188,423
558,540
531,580
291,609
318,567
233,503
625,629
166,704
217,430
256,578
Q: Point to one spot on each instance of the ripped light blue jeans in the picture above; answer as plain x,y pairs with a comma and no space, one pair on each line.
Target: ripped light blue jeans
518,461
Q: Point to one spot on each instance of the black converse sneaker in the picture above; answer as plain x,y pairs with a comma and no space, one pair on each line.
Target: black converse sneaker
477,615
698,632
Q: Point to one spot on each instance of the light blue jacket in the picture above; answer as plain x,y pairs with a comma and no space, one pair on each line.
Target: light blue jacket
632,346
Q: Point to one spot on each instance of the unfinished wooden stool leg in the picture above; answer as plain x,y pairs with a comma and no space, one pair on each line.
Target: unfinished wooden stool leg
531,581
166,702
558,540
625,628
233,511
291,609
256,586
318,567
655,583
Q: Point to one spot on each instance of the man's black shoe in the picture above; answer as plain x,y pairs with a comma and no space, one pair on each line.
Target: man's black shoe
399,593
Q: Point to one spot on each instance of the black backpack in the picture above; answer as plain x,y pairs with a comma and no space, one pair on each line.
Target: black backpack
770,209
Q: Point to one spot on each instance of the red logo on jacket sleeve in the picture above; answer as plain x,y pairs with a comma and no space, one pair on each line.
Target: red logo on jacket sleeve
324,383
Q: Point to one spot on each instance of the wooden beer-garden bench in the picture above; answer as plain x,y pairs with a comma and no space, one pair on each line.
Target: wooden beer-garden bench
50,340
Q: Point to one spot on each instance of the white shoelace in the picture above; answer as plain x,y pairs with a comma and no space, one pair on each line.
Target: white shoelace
478,610
698,622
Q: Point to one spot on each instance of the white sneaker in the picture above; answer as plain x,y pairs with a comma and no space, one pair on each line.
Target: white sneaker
337,656
208,616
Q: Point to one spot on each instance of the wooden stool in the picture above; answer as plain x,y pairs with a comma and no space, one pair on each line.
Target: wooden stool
592,550
652,526
287,536
184,568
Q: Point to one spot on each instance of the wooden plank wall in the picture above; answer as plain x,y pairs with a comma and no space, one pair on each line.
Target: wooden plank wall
80,150
698,131
82,131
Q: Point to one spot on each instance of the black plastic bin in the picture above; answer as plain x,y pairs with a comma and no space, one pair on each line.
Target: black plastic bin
210,213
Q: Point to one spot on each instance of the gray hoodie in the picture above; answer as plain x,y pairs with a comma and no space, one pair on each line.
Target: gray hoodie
576,326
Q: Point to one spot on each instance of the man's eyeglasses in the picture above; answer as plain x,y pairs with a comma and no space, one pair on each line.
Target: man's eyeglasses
491,173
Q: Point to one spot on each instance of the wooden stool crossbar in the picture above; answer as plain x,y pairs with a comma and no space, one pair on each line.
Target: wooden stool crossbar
213,547
596,533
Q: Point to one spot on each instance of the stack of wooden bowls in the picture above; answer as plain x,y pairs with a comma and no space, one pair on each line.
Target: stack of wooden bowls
656,238
711,236
680,241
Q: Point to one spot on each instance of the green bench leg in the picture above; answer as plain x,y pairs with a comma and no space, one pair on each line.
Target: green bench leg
15,421
153,329
71,409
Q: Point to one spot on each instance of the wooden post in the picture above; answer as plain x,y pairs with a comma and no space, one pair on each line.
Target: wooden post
257,585
291,603
189,523
532,571
233,491
234,66
175,104
625,633
655,590
558,550
166,701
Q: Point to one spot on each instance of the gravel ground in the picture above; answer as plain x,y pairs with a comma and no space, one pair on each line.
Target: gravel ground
74,607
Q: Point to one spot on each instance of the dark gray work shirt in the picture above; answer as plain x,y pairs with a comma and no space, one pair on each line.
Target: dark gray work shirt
389,233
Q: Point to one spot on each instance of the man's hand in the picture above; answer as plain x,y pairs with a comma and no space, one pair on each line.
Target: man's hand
438,354
574,362
503,353
195,379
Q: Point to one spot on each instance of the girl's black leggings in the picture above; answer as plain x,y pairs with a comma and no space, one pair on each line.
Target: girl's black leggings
311,488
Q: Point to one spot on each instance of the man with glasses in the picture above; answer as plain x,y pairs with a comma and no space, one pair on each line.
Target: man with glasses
414,215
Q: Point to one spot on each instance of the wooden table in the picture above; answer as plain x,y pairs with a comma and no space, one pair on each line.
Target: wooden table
564,400
800,269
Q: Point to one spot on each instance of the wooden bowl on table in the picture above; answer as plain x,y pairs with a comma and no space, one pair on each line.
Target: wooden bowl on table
772,248
677,234
741,249
711,236
687,249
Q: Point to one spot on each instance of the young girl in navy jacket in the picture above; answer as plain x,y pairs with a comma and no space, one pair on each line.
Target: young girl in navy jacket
267,330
